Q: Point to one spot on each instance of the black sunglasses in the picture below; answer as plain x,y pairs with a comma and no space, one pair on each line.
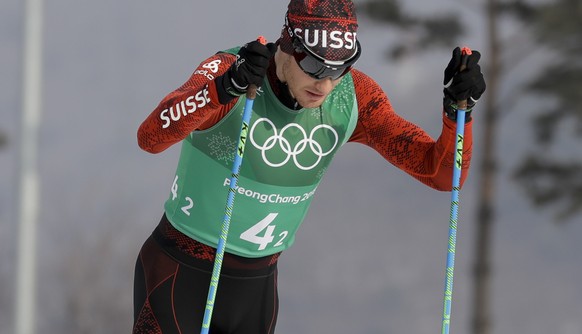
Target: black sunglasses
318,67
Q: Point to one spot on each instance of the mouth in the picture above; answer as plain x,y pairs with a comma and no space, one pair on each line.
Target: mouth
314,95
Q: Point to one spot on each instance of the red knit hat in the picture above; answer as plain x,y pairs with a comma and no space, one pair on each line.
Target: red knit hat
327,27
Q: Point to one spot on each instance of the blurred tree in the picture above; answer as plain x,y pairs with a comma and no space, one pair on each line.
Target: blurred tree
422,32
93,296
499,60
5,273
445,31
551,173
3,139
94,276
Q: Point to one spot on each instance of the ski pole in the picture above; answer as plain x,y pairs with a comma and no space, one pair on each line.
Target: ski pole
218,258
448,297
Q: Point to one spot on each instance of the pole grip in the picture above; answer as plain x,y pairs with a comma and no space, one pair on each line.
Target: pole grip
252,92
465,53
252,89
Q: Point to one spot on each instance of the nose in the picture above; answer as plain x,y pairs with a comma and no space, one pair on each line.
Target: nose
324,85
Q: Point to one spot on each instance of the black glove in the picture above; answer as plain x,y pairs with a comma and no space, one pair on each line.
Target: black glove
465,85
250,67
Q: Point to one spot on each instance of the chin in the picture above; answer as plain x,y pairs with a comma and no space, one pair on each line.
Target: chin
311,104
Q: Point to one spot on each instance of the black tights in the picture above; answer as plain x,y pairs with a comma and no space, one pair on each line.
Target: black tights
171,288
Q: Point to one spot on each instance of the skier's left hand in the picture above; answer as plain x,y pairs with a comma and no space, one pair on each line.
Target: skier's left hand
468,84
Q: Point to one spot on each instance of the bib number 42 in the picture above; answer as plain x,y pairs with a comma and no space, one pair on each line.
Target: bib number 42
265,228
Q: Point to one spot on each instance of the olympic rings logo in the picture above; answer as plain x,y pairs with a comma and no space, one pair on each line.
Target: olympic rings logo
293,151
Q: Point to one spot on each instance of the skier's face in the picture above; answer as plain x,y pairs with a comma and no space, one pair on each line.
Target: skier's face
309,92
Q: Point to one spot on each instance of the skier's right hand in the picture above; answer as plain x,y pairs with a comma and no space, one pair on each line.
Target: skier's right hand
250,67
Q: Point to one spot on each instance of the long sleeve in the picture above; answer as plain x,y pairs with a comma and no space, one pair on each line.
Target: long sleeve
404,144
193,106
